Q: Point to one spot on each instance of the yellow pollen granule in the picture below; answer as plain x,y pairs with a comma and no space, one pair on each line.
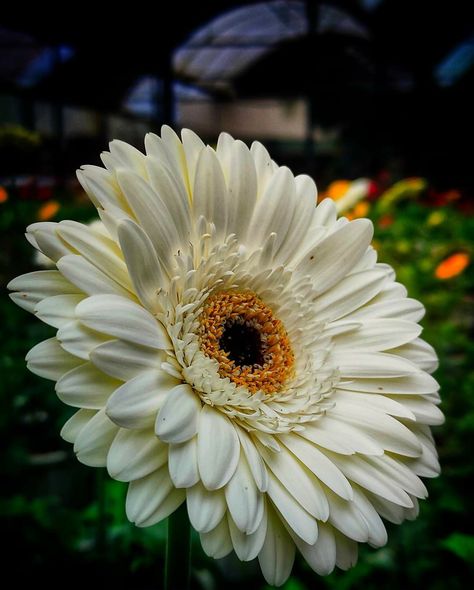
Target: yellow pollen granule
251,346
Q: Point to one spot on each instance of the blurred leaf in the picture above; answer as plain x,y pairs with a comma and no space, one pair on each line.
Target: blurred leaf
461,545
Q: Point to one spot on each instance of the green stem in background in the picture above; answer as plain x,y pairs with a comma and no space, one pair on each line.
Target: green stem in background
178,550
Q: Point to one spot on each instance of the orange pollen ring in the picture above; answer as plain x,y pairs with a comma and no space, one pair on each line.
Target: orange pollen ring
246,310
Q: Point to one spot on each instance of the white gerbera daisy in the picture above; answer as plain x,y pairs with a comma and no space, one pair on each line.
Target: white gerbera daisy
231,345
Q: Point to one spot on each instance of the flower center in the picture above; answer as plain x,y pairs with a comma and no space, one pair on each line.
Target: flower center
250,345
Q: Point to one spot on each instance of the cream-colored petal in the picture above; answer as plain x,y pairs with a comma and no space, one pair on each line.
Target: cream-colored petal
205,508
47,359
135,404
124,319
179,416
93,441
134,454
278,552
58,310
86,387
218,448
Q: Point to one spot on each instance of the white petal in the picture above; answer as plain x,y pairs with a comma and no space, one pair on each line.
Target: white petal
47,359
371,364
425,412
321,556
170,187
369,477
331,259
123,319
326,213
247,547
243,498
278,552
263,165
218,448
210,196
274,211
75,424
102,252
242,187
345,517
354,440
152,214
193,146
299,482
319,464
325,438
301,522
178,418
142,263
391,434
375,401
377,531
257,466
350,293
124,360
89,278
127,155
205,508
152,498
346,552
304,205
101,186
58,310
182,463
217,543
93,441
85,387
420,353
49,243
176,154
416,383
406,309
79,340
377,335
35,286
135,454
135,404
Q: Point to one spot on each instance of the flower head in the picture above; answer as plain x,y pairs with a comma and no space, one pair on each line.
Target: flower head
232,345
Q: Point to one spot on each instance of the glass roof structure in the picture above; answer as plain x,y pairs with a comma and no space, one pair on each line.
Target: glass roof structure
229,44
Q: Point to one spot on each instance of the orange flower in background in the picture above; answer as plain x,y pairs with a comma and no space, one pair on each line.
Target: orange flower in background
337,189
48,210
3,195
386,221
452,266
360,210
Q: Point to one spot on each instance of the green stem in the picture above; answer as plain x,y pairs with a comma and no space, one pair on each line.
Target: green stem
178,551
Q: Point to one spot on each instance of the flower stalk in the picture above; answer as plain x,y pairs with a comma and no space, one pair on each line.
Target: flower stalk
178,550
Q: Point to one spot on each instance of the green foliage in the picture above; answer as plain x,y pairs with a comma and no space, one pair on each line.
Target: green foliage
63,519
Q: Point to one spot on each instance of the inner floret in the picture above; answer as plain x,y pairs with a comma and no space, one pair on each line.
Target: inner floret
250,344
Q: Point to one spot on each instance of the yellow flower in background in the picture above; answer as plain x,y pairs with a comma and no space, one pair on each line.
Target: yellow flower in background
452,266
3,195
48,210
407,188
435,218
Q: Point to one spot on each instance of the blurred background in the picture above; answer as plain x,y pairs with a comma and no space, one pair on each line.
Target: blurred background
373,98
